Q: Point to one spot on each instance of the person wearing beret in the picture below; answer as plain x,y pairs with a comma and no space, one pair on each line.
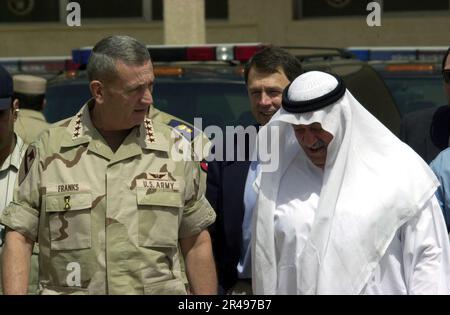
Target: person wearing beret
29,95
347,208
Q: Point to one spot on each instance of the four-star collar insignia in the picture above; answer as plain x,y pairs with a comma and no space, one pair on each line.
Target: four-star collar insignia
78,128
149,131
150,134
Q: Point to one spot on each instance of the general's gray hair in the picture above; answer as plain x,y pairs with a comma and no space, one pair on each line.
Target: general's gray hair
109,50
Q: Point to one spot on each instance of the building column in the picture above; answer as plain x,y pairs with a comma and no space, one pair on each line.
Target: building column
273,21
184,22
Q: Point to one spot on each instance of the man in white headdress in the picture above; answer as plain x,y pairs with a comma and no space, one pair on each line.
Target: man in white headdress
350,209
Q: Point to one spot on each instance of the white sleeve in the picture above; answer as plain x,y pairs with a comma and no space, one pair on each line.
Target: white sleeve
426,252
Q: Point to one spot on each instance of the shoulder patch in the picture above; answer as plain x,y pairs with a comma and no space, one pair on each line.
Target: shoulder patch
185,130
27,162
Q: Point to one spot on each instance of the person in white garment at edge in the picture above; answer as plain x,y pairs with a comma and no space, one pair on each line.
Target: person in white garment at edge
350,209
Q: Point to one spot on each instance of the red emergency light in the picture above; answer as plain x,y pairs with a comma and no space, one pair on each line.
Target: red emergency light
201,53
167,53
244,53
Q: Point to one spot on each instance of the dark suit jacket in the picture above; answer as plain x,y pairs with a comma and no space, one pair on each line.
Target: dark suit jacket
225,192
415,131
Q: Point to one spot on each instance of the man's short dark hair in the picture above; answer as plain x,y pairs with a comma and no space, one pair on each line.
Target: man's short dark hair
30,101
445,58
270,59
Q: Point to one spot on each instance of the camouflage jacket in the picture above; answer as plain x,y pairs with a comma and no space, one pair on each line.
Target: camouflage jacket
108,223
30,123
200,144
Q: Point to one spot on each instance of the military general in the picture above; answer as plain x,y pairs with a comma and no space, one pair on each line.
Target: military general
105,198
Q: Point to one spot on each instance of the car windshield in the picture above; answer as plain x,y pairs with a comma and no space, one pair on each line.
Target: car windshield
415,93
64,101
220,104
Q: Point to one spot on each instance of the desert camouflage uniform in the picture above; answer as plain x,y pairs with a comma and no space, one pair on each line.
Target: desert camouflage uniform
29,124
186,129
193,135
108,223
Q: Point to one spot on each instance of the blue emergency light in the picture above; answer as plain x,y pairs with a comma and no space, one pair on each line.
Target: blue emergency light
81,55
432,54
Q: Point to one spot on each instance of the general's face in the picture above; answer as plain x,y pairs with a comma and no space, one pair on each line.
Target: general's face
447,84
314,140
6,126
265,91
126,99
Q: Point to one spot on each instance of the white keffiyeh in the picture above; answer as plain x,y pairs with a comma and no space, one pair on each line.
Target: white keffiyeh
372,184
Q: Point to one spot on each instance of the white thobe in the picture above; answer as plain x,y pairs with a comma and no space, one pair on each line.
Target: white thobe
412,264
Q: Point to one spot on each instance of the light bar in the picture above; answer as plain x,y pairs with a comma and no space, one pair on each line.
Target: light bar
225,52
244,53
163,53
81,55
201,54
432,54
35,65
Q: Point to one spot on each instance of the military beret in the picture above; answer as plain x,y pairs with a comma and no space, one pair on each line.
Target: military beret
29,84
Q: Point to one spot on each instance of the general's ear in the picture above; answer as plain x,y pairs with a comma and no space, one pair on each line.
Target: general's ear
15,108
96,88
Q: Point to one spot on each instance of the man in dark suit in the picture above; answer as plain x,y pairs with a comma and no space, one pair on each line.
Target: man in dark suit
440,134
415,131
427,131
230,189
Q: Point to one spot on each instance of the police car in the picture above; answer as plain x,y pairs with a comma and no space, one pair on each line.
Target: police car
413,75
208,82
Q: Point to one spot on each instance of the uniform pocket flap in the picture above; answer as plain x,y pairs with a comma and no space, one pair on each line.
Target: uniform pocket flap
169,287
160,198
68,201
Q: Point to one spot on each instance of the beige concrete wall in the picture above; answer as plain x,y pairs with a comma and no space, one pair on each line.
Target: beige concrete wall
243,11
57,39
395,31
249,21
184,22
222,32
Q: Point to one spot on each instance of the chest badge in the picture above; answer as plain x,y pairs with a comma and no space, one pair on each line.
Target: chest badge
67,203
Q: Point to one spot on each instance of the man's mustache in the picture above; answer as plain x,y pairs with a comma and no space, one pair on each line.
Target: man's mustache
317,145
